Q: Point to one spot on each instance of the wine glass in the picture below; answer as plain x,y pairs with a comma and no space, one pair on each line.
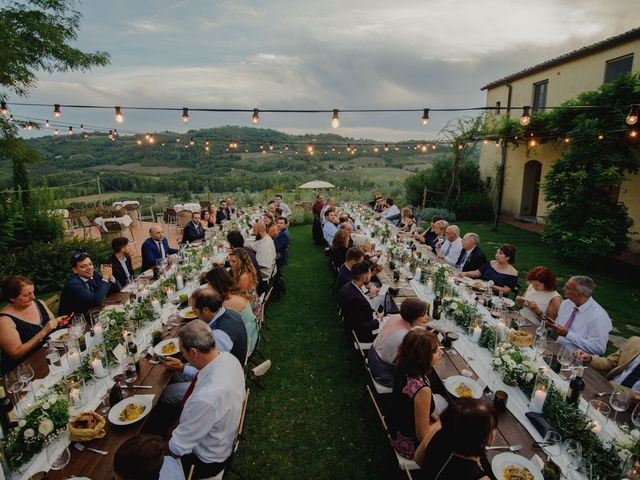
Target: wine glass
25,375
78,325
619,401
573,450
552,444
57,461
635,415
565,358
130,374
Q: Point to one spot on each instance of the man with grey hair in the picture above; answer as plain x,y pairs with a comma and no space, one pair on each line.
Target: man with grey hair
265,251
212,406
471,258
581,322
452,246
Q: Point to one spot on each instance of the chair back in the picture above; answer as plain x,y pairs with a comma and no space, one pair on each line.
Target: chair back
183,218
204,204
113,226
84,220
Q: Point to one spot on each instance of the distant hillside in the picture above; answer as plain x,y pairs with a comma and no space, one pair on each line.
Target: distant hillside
263,159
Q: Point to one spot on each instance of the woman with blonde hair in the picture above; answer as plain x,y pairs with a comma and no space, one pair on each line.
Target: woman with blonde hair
244,273
439,228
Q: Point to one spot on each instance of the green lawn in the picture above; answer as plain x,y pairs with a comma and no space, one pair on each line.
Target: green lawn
307,422
618,285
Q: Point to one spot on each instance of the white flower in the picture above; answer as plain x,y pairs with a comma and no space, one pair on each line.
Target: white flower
22,423
625,441
46,406
29,433
529,377
52,398
635,434
497,362
45,427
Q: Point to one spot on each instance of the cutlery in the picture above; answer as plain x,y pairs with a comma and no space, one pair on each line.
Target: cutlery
133,387
513,448
80,448
603,394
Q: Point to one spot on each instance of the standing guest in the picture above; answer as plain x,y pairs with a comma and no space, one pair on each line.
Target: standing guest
354,255
457,450
281,242
411,413
213,215
429,235
155,248
318,205
357,311
382,355
286,211
212,406
236,240
272,229
500,271
222,282
142,458
330,226
24,322
339,247
244,274
391,213
265,251
121,261
86,288
452,246
224,212
193,230
581,323
471,257
541,299
316,230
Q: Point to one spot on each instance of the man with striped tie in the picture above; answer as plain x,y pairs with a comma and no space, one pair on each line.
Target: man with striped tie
452,246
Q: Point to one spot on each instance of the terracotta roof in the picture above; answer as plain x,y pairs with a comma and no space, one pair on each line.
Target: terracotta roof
581,52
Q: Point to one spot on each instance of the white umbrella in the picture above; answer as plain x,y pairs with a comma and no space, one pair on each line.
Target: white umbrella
316,184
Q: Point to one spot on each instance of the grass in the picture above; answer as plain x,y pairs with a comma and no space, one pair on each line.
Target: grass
618,285
308,422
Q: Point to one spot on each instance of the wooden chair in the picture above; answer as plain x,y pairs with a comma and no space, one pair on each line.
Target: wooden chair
182,218
87,224
204,204
132,211
170,216
116,229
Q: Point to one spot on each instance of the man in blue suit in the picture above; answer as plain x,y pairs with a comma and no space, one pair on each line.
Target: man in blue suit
281,242
193,230
86,288
155,248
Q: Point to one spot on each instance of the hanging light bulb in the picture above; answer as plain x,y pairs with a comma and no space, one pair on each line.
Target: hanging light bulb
115,133
4,109
185,115
146,136
286,146
206,142
139,142
425,117
601,137
206,148
525,118
177,139
348,147
119,117
70,131
191,141
633,133
310,149
29,126
82,127
386,147
567,139
632,118
47,124
255,118
434,146
335,120
375,149
56,132
56,111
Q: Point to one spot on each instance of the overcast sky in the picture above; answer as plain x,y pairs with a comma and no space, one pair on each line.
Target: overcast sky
295,54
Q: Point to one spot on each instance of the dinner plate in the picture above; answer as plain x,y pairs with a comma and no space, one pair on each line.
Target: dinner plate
59,336
163,343
507,302
187,314
114,413
451,383
503,460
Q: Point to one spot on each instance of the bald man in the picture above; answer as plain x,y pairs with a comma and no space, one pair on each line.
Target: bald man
265,251
155,248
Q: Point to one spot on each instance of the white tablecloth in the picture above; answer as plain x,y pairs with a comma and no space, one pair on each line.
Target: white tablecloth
192,207
124,203
124,220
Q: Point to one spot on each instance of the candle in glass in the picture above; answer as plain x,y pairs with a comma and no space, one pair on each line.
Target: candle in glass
73,357
596,428
179,282
97,331
74,396
98,369
157,309
418,274
477,332
170,294
537,402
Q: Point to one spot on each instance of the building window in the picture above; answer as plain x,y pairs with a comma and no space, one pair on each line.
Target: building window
497,110
617,68
540,95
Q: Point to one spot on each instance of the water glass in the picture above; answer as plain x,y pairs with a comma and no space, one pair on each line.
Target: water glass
552,444
78,325
573,449
635,415
599,411
57,461
619,401
53,360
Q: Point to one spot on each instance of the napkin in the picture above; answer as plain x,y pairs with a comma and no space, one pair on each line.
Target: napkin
119,352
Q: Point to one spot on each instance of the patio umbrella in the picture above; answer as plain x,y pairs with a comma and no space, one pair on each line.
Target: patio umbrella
316,184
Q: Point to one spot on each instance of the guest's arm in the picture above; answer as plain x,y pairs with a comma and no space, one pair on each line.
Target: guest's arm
10,342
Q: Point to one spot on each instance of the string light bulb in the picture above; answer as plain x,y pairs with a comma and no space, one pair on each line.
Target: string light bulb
335,119
633,133
110,135
255,118
375,149
191,141
119,117
185,114
601,137
425,117
47,124
386,147
56,110
139,142
4,109
56,132
70,131
177,139
82,127
532,142
632,117
270,145
152,140
525,118
29,126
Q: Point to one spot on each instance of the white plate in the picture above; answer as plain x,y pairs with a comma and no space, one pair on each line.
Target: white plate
451,383
507,302
505,459
114,413
58,334
184,314
158,347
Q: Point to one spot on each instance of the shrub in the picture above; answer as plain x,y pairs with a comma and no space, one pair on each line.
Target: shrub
427,213
473,206
300,216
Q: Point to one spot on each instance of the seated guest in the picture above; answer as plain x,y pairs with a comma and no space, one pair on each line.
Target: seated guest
345,223
193,230
142,458
382,356
339,247
363,242
541,299
456,450
213,215
211,407
429,235
407,225
236,240
265,251
380,205
376,195
500,271
155,248
331,203
244,273
452,246
269,222
277,215
356,309
271,207
231,209
24,322
223,213
222,282
354,255
581,322
411,413
391,213
86,288
471,257
622,367
281,242
205,219
121,261
286,211
330,226
439,228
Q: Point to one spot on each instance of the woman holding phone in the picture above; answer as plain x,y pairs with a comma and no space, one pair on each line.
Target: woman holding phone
24,322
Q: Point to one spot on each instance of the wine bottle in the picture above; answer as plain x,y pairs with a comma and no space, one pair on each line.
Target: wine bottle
8,415
576,387
133,351
437,308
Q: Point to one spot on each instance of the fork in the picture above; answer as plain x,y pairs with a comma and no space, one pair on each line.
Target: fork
80,448
603,394
513,448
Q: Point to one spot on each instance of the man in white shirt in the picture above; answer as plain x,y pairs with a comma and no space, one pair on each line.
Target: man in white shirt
391,214
142,456
286,211
212,406
323,213
581,322
452,246
265,250
330,226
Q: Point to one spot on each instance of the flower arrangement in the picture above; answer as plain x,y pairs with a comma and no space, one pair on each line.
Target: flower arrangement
628,442
516,368
460,312
41,425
